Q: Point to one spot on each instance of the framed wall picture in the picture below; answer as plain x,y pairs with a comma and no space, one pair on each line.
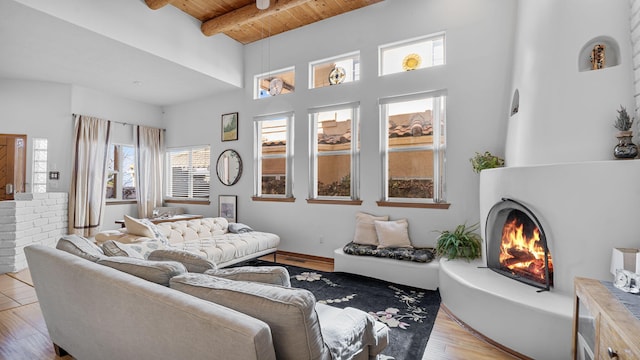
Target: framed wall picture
230,126
227,207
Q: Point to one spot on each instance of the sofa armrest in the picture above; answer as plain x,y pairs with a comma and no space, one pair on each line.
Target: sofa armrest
275,275
193,262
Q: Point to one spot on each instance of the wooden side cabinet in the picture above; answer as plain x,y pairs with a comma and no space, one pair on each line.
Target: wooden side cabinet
603,327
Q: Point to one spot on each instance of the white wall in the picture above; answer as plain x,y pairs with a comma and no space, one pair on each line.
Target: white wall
44,110
566,115
477,77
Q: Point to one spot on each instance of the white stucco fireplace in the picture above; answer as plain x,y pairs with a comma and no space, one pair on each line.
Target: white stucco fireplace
586,209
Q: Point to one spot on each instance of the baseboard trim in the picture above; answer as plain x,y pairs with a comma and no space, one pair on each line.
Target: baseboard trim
480,336
305,256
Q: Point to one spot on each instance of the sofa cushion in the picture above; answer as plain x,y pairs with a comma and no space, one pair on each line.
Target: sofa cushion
393,234
193,262
80,246
137,227
159,272
289,312
275,275
365,230
147,247
114,248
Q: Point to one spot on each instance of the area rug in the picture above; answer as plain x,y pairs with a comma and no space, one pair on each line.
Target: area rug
409,312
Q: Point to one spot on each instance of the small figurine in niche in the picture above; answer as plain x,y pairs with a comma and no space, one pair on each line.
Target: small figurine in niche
597,57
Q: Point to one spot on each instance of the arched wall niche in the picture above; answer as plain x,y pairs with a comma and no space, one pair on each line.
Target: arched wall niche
611,54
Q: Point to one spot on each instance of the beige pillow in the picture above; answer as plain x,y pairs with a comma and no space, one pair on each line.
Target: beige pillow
289,312
159,272
136,227
365,229
80,246
193,262
393,233
275,275
114,248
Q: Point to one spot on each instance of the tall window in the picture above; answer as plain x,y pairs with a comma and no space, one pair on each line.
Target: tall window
39,173
189,172
274,156
413,147
334,152
121,181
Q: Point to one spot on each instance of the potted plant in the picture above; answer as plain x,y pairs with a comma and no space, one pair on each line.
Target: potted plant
485,161
625,149
463,242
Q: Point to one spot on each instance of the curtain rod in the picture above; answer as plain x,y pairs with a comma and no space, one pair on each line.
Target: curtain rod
121,123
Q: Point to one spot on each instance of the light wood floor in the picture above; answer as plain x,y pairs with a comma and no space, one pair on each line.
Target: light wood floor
24,336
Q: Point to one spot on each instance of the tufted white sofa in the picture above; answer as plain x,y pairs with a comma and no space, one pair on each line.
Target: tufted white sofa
207,237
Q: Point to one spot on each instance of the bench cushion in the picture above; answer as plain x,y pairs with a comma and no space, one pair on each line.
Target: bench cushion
409,254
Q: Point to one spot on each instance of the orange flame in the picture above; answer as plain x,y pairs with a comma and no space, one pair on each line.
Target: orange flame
521,253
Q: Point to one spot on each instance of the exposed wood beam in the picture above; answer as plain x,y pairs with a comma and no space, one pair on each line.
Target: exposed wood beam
245,15
157,4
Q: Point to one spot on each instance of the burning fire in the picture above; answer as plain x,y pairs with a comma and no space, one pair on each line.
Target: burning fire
520,253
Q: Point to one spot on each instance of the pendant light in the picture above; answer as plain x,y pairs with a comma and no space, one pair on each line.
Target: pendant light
262,4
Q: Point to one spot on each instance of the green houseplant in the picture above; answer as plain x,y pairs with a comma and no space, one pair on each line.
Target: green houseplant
485,161
463,242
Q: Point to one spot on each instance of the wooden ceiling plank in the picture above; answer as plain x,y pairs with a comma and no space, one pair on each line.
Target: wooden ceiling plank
157,4
245,15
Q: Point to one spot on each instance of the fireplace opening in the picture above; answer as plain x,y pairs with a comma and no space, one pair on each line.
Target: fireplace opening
517,245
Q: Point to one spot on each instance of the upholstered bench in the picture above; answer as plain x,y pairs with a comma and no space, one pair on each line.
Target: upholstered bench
381,249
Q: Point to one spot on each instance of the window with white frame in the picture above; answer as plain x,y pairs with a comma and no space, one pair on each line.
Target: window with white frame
39,173
188,173
334,151
413,145
273,154
274,83
334,71
413,54
121,181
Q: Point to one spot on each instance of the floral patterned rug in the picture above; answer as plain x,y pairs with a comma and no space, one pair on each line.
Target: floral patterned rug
409,312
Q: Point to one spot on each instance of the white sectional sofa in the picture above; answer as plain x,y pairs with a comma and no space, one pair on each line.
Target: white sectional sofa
210,238
99,307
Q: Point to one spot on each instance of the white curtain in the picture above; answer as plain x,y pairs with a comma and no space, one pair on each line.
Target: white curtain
88,180
149,144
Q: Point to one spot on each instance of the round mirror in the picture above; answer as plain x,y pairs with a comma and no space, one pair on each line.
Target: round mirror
229,167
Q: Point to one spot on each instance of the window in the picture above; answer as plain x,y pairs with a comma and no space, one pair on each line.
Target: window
334,71
121,181
189,172
335,146
274,83
413,147
274,156
39,174
412,54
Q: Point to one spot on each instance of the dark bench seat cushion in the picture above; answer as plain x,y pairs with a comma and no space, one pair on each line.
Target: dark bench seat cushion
409,254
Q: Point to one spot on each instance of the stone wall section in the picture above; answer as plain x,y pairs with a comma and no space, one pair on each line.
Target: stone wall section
39,218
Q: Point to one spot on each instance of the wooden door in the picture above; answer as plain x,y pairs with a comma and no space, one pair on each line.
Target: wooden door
12,164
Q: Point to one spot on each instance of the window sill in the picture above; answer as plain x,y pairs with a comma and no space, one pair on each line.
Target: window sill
274,199
443,206
187,201
334,202
120,202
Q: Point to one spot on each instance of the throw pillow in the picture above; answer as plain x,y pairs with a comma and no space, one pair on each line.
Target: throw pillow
80,246
147,247
193,262
365,229
157,234
393,233
136,227
275,275
289,312
114,248
159,272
